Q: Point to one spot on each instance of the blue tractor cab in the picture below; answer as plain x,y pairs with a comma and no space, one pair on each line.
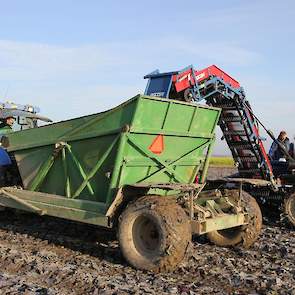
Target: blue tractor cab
179,85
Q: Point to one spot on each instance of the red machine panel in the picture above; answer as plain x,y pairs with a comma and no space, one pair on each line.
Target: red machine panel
186,79
183,80
215,71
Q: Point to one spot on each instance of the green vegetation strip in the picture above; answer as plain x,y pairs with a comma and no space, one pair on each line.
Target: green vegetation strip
222,161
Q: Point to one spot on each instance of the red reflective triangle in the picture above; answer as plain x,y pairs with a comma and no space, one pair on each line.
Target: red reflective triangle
157,145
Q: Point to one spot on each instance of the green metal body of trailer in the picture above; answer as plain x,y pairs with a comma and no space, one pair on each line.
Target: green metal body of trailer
90,168
86,160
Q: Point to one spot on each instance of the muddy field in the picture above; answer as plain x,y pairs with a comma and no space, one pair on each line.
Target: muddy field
49,256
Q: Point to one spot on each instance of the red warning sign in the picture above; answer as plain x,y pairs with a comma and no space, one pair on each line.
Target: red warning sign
157,145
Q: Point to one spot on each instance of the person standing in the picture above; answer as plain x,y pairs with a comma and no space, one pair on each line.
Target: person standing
275,151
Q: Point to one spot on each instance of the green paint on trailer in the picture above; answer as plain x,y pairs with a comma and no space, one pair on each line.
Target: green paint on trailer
90,158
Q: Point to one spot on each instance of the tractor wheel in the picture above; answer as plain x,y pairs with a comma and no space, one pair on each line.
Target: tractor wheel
154,234
290,209
244,235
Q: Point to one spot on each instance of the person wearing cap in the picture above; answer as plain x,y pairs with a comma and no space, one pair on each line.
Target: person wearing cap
6,125
275,152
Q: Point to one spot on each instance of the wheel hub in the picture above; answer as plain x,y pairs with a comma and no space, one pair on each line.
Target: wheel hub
146,235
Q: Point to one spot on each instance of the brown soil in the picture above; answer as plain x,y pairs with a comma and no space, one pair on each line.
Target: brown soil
43,255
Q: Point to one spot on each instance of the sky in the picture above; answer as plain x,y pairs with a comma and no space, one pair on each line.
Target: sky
73,58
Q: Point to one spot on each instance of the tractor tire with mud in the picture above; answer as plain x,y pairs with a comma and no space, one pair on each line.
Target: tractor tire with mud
244,235
289,209
154,234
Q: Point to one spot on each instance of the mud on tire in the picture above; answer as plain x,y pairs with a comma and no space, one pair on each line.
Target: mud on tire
289,209
154,234
244,235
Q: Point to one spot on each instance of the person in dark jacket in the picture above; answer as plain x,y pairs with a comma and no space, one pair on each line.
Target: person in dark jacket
6,125
275,151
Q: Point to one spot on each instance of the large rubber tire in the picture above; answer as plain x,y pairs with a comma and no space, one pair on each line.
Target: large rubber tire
154,234
244,235
289,208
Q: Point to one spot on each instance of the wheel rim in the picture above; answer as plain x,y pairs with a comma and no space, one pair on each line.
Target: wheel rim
146,235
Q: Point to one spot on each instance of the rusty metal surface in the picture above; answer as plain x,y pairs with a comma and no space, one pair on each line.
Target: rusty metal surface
256,182
169,186
218,223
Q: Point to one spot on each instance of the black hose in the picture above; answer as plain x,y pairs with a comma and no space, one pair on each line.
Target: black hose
269,132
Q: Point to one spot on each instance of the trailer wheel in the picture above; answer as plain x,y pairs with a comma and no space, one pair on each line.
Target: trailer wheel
244,235
290,209
154,234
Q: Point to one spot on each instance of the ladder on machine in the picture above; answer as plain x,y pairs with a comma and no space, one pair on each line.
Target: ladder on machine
239,127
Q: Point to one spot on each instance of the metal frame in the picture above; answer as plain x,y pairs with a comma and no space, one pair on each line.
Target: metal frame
54,205
64,148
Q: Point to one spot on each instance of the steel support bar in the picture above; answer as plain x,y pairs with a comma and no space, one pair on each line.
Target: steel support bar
205,135
151,155
55,205
218,223
65,166
41,174
22,202
81,170
115,179
207,161
95,168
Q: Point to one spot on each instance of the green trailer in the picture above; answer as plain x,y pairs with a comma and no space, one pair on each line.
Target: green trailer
139,168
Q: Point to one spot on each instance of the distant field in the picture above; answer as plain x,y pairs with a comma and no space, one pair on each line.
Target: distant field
222,161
